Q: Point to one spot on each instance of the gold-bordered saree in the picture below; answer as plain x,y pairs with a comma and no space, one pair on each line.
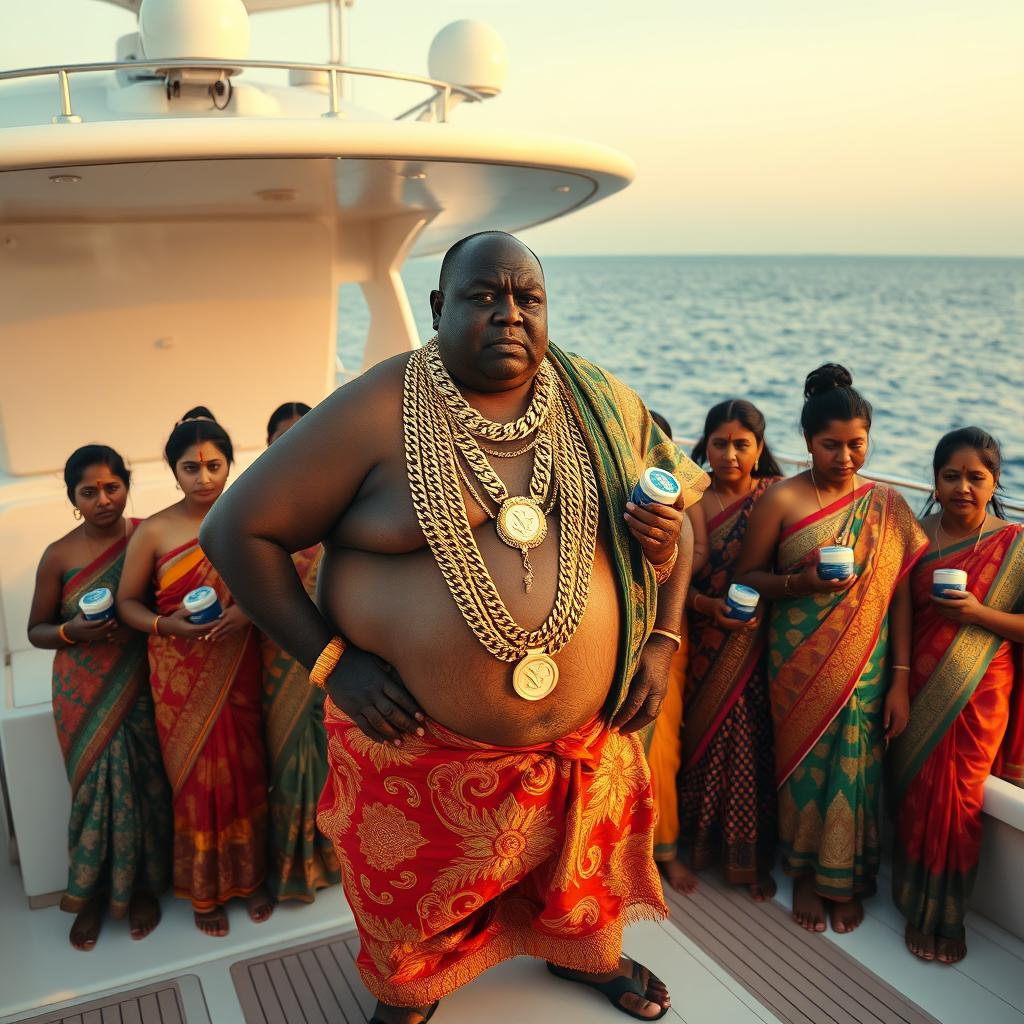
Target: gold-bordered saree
963,715
829,672
119,833
302,858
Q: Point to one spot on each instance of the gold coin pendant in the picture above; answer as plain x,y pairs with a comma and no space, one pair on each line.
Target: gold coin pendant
521,522
535,676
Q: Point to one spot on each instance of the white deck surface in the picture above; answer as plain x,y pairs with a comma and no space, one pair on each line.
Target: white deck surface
38,967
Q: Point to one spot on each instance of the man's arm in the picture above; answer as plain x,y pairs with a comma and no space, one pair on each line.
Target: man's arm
290,499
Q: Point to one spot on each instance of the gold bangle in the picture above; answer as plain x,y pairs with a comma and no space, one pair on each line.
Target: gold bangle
156,625
672,636
664,569
327,662
786,585
901,668
64,636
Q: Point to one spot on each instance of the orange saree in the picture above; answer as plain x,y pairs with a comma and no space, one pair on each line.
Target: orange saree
962,684
207,698
457,855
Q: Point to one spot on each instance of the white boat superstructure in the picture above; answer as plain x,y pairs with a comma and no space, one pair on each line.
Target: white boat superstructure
174,228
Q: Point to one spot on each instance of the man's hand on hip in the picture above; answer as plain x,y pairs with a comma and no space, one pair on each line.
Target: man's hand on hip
371,693
648,687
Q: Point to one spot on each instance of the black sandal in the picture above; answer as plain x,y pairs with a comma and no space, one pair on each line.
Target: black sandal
615,989
427,1016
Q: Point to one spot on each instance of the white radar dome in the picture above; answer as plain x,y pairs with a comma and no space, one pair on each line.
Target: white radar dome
203,29
469,53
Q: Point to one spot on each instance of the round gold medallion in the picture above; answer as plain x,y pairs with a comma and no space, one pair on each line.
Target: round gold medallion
521,522
535,676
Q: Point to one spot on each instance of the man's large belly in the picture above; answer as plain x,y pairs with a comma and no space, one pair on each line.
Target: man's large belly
400,608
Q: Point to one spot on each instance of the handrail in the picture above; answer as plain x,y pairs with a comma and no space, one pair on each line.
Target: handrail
443,91
904,483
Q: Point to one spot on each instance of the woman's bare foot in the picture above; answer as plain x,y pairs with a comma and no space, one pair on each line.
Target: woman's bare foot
951,951
763,889
918,943
678,875
212,922
385,1014
260,905
846,916
85,928
143,914
808,906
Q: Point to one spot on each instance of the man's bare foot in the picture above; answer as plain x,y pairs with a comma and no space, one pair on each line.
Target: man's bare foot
85,928
951,951
385,1014
260,905
918,943
808,906
763,889
143,914
847,915
678,875
212,922
632,988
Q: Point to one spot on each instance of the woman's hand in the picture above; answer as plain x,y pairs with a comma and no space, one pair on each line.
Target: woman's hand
959,606
372,694
178,624
807,581
231,620
896,712
656,527
85,631
717,609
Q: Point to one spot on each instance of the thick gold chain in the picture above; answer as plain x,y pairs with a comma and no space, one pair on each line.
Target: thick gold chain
432,466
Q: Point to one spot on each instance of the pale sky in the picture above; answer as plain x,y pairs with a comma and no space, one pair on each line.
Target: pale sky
758,126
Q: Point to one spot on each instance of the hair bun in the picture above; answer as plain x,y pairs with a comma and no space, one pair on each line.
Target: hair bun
200,412
827,378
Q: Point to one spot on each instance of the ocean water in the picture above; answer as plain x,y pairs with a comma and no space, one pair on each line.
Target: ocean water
933,343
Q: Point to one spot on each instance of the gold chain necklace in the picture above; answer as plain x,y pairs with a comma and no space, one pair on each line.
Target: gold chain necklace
849,518
432,468
513,454
939,529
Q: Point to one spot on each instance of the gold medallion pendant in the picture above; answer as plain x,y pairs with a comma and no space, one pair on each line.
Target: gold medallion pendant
535,676
521,522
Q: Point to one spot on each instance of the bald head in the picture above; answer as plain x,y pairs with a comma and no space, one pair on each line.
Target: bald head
470,253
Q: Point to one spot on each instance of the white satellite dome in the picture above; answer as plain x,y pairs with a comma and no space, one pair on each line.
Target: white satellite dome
201,29
469,53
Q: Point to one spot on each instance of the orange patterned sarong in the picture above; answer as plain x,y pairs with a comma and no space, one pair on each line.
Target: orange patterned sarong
208,715
457,855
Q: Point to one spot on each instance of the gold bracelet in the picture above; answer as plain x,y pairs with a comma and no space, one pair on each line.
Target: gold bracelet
672,636
64,636
664,570
901,668
327,662
785,586
156,625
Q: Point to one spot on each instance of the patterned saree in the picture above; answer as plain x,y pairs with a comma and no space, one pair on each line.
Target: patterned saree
962,687
727,791
828,675
119,835
207,696
302,859
457,855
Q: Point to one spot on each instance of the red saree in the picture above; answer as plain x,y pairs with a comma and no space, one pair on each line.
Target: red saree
456,855
727,789
208,715
962,687
119,833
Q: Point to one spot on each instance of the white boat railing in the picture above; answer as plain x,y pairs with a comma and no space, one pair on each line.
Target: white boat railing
441,101
1015,505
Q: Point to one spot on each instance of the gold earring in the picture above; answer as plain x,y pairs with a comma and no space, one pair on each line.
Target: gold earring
757,462
76,511
177,486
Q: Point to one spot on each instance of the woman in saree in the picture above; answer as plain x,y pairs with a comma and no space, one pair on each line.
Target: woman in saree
838,650
965,688
119,834
726,787
206,681
301,857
